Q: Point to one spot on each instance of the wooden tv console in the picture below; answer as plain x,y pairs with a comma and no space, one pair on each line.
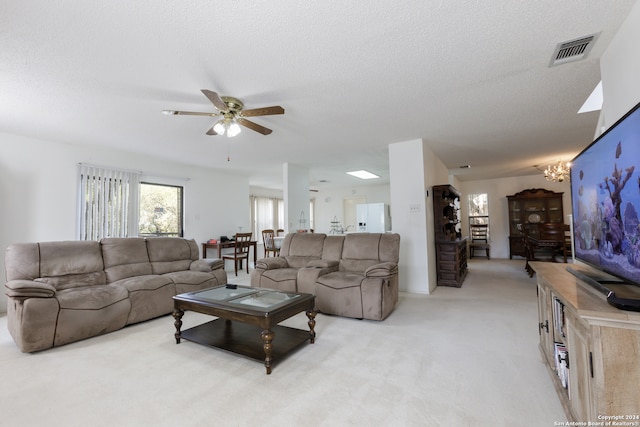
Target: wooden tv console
602,345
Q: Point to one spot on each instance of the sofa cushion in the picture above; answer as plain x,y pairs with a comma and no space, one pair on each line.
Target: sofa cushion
341,280
340,293
282,279
91,297
332,249
22,261
90,311
296,261
189,281
168,254
72,257
150,296
364,250
74,280
303,244
125,257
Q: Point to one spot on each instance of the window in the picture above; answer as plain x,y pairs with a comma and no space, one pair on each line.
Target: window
478,205
114,203
161,208
107,203
478,209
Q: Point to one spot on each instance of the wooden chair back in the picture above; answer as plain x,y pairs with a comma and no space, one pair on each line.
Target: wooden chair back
479,232
552,231
269,243
242,244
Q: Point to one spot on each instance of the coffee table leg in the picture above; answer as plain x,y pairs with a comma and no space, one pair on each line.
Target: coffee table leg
311,314
267,337
177,314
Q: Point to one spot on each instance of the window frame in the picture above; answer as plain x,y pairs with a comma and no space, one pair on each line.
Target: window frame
180,232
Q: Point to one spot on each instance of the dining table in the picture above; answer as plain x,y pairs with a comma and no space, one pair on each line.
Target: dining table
557,246
219,246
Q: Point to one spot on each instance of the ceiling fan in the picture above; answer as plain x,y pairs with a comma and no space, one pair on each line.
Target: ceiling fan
232,113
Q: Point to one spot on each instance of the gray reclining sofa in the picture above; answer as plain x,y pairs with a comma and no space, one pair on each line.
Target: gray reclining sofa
61,292
354,275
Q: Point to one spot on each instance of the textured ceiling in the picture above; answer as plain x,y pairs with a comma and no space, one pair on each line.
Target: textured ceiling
470,78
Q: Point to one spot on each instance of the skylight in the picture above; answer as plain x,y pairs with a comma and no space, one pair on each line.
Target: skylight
363,174
594,102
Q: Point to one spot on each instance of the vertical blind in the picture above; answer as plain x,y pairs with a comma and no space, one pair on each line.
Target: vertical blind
107,202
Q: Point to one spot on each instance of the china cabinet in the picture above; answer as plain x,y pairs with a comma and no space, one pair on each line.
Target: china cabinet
529,208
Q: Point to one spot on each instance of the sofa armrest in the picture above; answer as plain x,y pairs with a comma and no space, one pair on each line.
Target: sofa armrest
272,263
323,263
384,269
308,276
207,264
29,289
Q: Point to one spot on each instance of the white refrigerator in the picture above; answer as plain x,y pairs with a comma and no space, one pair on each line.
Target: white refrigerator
372,218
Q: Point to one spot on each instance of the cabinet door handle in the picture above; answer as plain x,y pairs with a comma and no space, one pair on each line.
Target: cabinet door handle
544,325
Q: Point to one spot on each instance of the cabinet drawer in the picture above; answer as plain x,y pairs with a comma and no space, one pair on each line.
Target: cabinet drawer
447,275
448,248
447,256
448,266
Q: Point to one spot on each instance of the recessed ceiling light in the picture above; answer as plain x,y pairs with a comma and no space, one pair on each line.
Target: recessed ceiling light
362,174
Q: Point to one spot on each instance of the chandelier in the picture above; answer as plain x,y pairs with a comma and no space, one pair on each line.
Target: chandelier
557,172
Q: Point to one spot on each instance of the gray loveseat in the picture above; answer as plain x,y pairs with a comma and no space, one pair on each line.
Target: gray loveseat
61,292
355,275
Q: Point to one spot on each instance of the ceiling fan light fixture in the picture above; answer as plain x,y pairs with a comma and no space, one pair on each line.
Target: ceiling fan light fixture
233,129
220,127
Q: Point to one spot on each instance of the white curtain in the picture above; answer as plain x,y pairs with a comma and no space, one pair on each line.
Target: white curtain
264,215
107,202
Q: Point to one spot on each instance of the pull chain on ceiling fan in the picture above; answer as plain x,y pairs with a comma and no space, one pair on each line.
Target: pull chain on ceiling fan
232,113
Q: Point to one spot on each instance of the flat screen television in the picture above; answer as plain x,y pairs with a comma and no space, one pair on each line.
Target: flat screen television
605,198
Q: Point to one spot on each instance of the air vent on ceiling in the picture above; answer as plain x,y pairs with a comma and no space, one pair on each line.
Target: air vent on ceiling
573,50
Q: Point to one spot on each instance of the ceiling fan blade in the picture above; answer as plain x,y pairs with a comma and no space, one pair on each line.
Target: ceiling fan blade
211,132
254,126
188,113
215,100
264,111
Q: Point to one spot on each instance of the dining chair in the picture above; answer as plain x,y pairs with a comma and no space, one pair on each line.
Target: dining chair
279,232
240,251
479,239
556,232
269,243
533,252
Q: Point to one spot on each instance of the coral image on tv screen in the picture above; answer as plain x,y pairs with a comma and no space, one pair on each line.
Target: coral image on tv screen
605,197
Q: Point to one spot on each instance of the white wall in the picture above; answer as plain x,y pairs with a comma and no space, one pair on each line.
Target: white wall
330,203
296,197
620,70
414,169
38,184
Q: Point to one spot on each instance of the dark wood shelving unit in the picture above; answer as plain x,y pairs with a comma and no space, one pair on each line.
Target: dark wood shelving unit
451,248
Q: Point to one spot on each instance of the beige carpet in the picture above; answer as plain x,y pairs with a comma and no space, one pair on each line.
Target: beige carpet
459,357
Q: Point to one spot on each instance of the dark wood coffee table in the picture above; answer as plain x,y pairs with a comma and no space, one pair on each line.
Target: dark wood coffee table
247,320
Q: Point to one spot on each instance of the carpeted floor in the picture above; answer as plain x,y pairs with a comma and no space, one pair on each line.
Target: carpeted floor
458,357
